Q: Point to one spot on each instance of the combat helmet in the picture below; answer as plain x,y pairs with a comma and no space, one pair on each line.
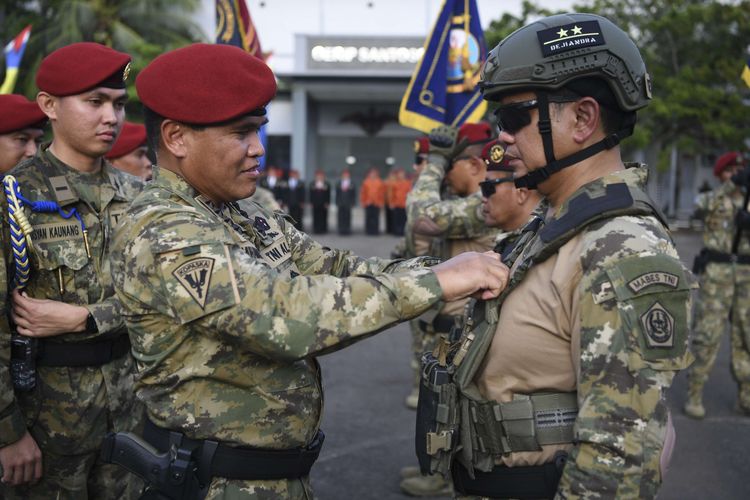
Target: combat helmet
572,51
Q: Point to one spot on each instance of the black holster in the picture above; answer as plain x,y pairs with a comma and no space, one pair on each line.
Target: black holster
437,417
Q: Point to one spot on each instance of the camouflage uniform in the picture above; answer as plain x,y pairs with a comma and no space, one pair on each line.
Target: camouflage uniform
724,287
265,198
226,323
72,408
609,319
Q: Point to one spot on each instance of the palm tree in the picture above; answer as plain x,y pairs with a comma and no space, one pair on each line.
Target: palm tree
142,28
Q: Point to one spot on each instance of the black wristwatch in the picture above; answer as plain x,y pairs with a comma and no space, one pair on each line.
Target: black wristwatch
91,324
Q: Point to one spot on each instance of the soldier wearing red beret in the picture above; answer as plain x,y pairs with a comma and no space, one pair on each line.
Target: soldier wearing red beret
75,381
129,153
21,128
227,304
444,210
725,285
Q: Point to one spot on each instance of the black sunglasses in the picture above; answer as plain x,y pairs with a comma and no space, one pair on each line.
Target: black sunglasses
488,186
512,117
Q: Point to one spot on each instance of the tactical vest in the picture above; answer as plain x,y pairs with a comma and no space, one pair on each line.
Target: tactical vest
486,429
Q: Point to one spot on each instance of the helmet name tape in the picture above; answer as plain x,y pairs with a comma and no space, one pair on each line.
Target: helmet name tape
569,37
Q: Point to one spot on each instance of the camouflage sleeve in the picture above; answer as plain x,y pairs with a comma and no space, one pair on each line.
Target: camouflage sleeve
313,258
217,287
107,315
455,218
634,322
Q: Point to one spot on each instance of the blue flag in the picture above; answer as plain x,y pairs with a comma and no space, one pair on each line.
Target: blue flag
443,88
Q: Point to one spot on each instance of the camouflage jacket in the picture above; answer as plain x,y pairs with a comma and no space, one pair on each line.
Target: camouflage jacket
63,271
718,209
227,309
618,295
429,214
265,198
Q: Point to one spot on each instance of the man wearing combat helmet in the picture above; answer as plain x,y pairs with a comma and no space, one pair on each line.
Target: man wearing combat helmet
561,381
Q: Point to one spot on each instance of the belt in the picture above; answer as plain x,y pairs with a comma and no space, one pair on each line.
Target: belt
526,482
442,323
726,258
243,463
81,354
524,424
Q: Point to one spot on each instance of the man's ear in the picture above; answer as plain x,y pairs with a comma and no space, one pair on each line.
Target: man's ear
173,137
48,104
522,194
587,119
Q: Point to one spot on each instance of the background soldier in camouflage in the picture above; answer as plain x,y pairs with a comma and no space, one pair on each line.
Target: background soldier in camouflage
453,224
228,308
594,323
503,204
21,128
725,288
130,153
84,384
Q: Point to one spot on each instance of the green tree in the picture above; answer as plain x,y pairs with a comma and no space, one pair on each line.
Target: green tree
141,28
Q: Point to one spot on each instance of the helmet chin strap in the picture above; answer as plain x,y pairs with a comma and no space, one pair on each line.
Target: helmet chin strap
536,177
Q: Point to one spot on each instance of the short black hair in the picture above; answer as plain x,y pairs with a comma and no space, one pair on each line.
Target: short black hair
613,118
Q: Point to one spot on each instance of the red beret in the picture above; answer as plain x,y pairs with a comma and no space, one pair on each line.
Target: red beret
17,113
727,160
78,67
493,155
132,136
422,146
475,133
206,83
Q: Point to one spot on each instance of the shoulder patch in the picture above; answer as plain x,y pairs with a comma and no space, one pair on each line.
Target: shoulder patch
195,276
654,278
658,325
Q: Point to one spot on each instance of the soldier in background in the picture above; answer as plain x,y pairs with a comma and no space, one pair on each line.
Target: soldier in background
372,198
83,381
226,350
346,198
295,198
129,152
504,205
455,225
320,200
21,129
724,294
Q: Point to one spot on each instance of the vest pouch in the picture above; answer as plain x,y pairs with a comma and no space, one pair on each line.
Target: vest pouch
437,417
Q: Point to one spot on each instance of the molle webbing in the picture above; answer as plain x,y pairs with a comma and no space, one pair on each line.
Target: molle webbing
524,424
583,210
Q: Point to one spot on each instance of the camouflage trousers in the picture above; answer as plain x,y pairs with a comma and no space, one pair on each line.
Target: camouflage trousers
232,489
724,287
68,414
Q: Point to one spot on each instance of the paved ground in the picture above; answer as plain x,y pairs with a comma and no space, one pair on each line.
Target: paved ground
370,431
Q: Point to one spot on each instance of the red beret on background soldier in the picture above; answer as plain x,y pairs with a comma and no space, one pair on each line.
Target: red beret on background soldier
72,369
227,305
129,151
21,127
732,160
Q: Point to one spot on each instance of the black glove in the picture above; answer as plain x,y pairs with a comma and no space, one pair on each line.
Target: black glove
444,142
742,219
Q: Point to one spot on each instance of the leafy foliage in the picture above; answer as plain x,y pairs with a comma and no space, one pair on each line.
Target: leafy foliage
141,28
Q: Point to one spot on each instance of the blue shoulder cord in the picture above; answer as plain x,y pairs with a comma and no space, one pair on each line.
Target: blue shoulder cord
20,229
